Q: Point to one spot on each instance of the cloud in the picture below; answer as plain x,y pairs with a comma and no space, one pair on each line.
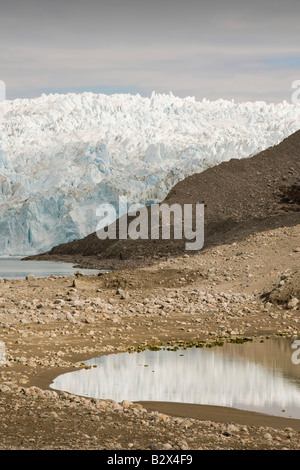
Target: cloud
205,49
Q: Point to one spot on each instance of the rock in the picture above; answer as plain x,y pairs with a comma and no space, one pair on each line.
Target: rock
126,404
136,407
231,428
186,423
122,293
183,445
293,302
78,273
234,332
70,318
89,320
30,277
117,407
154,447
166,446
268,436
23,381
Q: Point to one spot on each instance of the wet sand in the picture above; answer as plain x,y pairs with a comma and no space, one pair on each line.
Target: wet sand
221,414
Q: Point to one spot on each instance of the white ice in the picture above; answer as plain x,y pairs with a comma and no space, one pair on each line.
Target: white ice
61,156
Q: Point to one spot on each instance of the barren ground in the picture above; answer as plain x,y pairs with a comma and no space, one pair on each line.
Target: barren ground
48,325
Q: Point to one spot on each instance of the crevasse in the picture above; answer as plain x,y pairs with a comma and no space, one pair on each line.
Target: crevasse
61,156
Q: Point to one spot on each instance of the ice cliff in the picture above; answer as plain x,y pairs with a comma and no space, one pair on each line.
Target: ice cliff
61,156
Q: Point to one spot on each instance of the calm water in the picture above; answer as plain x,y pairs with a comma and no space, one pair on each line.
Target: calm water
254,376
14,268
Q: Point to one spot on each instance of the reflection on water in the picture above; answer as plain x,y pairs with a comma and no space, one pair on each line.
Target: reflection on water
254,376
15,268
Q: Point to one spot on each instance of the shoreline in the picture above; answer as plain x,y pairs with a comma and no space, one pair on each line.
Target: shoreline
48,324
222,414
218,413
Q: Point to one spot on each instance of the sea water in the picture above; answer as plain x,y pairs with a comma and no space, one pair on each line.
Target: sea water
15,268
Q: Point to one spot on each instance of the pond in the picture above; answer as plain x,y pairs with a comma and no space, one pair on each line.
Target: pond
15,268
255,376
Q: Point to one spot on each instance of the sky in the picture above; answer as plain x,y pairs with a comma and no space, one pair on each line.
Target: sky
236,50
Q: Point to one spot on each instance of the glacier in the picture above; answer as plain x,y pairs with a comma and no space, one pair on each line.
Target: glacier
61,156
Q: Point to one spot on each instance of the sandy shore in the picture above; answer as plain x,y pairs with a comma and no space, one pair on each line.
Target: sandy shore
222,414
49,325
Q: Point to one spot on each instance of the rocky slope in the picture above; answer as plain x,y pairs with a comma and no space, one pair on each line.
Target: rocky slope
241,197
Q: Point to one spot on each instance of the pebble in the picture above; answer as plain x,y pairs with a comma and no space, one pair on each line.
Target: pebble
166,446
75,306
293,303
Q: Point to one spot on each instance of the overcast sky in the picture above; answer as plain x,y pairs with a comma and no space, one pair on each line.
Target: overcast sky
241,50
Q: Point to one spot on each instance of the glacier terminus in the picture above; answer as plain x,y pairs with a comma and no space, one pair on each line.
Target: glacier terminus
61,156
